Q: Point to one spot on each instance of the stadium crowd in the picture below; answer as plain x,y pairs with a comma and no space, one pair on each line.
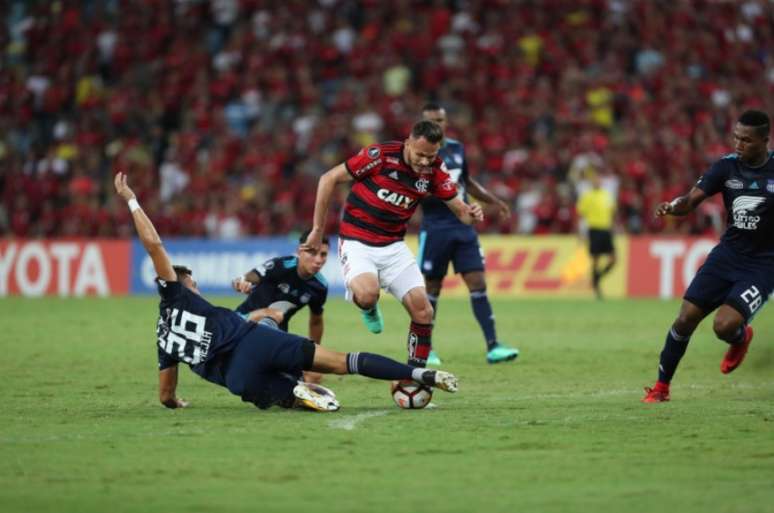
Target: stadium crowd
224,112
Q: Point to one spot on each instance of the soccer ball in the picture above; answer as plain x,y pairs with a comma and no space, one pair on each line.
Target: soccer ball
411,395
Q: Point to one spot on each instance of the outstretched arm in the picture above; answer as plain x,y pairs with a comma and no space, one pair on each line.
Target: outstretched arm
479,192
682,205
146,231
168,387
468,214
325,188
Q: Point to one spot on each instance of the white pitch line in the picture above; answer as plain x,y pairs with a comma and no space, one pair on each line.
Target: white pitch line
349,423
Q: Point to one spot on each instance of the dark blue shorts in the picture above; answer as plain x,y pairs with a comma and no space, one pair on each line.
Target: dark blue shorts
733,279
439,246
266,364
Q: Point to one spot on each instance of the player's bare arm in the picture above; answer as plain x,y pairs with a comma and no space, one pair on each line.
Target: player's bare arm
151,241
682,205
315,327
468,214
262,313
480,193
325,188
146,231
168,388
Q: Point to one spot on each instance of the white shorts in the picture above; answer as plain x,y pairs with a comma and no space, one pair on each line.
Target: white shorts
394,266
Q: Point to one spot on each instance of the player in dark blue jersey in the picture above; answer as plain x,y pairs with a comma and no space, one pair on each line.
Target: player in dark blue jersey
261,365
444,238
282,286
738,275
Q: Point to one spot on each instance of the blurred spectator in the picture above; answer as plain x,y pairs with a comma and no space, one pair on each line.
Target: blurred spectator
223,111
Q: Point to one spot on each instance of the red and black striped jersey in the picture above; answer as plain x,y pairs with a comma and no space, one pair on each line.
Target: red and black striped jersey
386,193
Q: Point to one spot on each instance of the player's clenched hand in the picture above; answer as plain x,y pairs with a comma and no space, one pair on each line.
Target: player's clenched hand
176,403
476,213
663,209
122,188
241,285
503,209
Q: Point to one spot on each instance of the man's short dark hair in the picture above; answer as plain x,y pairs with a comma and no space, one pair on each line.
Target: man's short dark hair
758,120
181,271
305,235
429,130
429,106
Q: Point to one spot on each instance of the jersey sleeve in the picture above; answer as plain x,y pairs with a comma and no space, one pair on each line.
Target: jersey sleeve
365,163
444,187
169,290
165,360
713,181
268,269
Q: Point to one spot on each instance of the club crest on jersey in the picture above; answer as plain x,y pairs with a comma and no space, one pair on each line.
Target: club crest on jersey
393,198
374,152
284,287
742,210
305,297
422,184
770,185
734,184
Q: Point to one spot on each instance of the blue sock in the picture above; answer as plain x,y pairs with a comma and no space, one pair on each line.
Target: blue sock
674,349
482,309
377,366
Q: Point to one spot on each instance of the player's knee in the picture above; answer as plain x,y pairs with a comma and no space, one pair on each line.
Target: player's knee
433,287
684,325
475,282
423,314
366,299
724,328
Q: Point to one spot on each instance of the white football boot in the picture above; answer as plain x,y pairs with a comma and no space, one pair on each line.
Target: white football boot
316,397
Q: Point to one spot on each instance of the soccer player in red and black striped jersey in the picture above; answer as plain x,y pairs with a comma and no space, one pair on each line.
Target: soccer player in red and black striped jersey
391,179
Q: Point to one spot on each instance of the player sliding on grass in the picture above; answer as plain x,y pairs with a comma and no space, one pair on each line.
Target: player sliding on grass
262,365
390,181
738,276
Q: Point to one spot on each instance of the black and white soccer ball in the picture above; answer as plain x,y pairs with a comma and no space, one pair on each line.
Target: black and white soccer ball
411,395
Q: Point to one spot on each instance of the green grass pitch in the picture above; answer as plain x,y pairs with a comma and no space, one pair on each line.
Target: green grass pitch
560,429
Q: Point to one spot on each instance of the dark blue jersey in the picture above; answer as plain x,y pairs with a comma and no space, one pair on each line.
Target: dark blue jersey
748,195
281,288
192,331
434,211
